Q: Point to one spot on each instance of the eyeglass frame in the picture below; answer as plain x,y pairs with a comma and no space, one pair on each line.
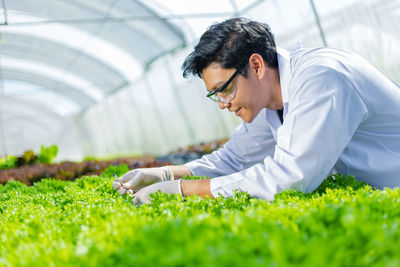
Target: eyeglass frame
223,88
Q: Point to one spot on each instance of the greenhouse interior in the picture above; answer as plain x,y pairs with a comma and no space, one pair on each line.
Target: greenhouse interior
111,156
103,78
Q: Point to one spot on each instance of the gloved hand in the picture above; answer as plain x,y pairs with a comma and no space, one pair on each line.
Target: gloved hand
169,187
136,179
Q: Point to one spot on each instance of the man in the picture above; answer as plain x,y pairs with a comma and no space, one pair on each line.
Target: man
306,113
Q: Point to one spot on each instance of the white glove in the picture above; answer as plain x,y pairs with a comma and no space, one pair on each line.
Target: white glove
136,179
169,187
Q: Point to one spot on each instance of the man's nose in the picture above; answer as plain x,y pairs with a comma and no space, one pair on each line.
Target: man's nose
223,105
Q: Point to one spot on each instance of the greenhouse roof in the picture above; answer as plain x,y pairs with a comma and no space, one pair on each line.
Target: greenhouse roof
63,61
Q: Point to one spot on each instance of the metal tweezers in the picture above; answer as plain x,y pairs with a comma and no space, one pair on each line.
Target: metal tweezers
129,191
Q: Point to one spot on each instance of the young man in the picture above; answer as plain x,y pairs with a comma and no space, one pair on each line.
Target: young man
306,113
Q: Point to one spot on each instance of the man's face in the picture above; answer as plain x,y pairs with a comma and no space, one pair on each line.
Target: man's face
252,93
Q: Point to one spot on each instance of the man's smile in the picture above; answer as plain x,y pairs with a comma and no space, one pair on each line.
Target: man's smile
236,111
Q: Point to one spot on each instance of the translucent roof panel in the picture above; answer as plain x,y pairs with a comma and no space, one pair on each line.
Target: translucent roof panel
101,77
113,21
62,57
92,39
12,71
62,106
72,54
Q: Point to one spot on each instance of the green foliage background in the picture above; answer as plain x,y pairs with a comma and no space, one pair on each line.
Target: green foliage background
86,223
46,155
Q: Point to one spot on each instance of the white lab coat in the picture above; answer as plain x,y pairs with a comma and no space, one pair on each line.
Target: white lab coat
340,114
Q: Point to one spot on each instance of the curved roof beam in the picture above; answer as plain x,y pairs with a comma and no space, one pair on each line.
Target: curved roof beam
59,104
143,39
128,8
77,39
59,56
357,13
46,82
36,112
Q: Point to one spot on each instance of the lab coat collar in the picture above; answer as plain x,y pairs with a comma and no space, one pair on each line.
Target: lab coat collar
284,71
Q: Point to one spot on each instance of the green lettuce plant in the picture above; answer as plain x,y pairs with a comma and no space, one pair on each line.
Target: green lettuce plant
8,162
47,154
86,223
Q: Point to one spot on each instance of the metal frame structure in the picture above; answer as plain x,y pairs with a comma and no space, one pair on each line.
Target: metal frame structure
105,47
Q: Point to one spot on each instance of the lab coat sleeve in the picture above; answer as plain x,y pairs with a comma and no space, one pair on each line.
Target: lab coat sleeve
324,112
250,144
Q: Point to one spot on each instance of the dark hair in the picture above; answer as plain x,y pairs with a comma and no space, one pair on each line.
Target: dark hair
231,43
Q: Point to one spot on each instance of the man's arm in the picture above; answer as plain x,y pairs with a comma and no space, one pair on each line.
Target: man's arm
200,188
191,187
324,112
249,145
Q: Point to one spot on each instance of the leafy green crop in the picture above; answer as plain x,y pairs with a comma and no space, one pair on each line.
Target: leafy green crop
47,154
119,170
86,223
8,162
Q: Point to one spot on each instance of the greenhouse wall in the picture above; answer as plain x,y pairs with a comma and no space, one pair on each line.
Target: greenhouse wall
106,79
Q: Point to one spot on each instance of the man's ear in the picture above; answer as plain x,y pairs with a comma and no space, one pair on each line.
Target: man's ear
256,63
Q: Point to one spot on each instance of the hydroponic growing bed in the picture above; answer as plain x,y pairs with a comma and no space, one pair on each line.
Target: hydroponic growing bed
85,223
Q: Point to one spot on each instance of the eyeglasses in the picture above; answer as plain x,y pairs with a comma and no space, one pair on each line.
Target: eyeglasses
226,94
